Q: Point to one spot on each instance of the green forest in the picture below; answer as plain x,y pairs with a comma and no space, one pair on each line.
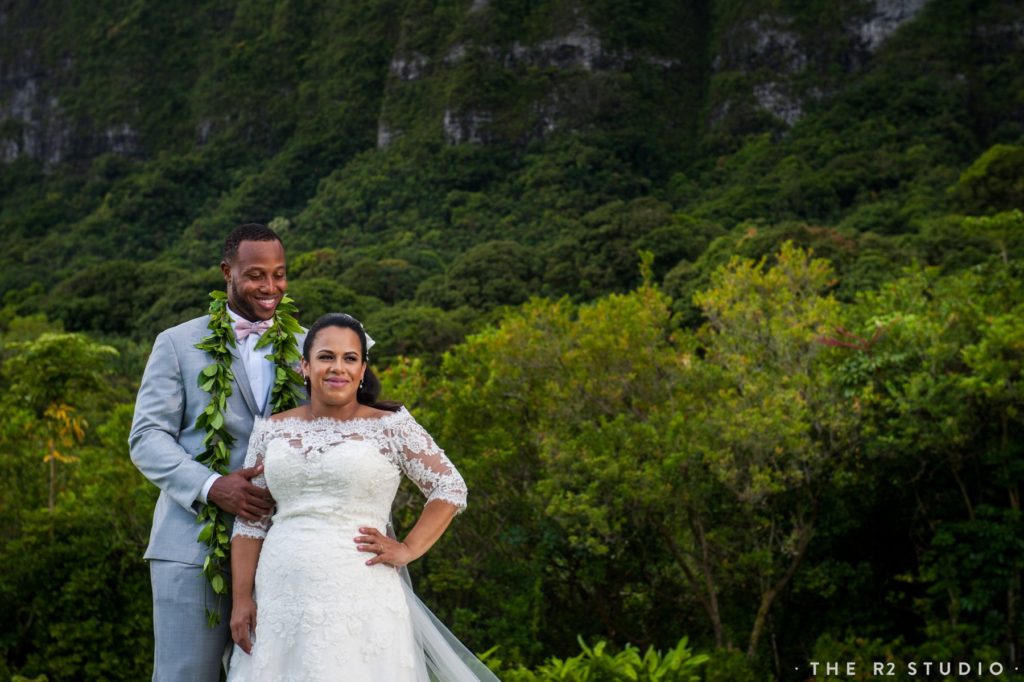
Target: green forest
717,306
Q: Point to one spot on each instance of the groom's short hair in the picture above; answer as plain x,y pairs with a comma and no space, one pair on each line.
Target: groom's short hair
247,232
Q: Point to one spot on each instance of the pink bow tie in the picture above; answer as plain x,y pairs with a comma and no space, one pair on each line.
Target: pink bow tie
243,328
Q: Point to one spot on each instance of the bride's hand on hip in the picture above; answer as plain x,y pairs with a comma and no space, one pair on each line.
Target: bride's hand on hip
387,550
243,623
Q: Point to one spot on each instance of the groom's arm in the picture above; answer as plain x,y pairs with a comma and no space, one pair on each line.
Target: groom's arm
155,450
156,426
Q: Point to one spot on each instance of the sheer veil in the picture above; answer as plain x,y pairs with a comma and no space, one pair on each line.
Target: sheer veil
445,658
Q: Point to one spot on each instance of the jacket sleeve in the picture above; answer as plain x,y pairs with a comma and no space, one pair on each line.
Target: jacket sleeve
157,424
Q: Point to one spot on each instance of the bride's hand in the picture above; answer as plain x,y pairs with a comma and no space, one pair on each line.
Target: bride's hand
388,550
243,623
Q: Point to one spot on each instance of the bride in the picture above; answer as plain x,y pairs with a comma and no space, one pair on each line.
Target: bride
319,590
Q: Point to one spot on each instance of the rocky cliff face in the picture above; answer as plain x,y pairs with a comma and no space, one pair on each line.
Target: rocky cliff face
37,126
783,64
570,62
467,85
564,67
884,17
462,72
40,116
32,122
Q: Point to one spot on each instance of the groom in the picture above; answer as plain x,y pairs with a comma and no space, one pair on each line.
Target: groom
164,443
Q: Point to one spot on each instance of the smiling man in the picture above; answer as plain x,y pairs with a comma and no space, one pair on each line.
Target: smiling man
164,443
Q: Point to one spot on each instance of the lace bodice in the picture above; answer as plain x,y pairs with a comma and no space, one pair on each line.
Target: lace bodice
346,469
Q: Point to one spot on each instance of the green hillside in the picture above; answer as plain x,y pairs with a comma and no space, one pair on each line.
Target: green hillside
398,144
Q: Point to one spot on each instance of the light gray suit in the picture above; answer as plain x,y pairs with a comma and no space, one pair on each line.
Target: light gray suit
164,444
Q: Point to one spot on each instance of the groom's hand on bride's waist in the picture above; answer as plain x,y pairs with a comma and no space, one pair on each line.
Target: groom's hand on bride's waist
235,494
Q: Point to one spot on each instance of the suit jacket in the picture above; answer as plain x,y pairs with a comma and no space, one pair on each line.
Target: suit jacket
164,441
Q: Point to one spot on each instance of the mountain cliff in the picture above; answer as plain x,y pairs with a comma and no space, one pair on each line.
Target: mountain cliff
398,144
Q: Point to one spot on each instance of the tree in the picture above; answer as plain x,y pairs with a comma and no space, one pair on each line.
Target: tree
940,396
389,279
316,296
1004,229
48,383
487,275
993,183
75,587
413,331
652,472
112,298
777,434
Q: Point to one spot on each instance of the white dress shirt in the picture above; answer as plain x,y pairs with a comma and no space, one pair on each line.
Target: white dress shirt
261,378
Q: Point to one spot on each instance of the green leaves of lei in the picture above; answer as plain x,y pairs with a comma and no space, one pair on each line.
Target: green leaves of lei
217,380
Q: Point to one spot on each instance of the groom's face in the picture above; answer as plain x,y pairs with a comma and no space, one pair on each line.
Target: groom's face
256,279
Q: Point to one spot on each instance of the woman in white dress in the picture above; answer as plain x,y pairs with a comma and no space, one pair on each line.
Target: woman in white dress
317,588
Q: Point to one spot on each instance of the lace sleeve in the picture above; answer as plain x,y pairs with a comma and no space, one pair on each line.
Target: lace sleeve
253,457
425,463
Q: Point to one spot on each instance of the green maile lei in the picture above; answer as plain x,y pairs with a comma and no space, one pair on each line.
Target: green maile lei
216,380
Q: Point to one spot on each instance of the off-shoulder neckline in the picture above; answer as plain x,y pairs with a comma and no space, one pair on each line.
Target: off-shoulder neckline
329,421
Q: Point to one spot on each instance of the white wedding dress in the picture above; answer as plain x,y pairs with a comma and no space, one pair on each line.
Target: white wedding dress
322,613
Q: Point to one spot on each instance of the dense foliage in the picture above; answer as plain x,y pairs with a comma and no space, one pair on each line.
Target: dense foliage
716,305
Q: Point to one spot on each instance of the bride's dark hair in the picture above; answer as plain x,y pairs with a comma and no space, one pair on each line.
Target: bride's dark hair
369,392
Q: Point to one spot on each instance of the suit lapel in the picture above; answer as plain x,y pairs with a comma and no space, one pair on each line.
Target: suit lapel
268,407
242,379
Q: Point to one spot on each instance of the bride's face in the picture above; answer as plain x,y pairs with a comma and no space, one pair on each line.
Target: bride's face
335,366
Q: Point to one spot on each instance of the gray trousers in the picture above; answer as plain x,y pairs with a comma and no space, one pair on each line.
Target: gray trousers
186,648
